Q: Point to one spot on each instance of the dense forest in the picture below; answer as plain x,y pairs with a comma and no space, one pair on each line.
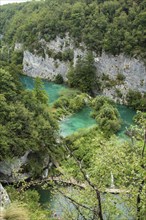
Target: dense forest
111,26
87,159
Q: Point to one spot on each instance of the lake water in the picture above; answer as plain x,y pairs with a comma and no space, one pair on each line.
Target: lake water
80,119
76,121
52,89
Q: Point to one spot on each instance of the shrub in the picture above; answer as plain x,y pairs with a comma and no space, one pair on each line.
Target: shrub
99,101
108,119
62,102
68,55
105,77
77,103
59,79
120,77
135,99
119,93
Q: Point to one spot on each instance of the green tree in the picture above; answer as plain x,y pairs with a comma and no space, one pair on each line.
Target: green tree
39,91
26,123
91,161
83,75
108,119
136,100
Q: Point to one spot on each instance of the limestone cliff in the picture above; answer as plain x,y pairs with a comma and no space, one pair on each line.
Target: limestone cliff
109,67
4,198
131,71
10,171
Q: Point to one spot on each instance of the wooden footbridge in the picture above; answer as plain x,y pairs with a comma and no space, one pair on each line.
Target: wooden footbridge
70,182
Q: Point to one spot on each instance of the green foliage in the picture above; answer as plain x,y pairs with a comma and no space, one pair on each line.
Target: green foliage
29,201
70,101
120,77
68,55
98,157
78,102
118,93
17,57
39,91
111,26
99,101
15,212
9,86
62,102
82,76
136,100
108,119
140,119
59,79
26,123
106,115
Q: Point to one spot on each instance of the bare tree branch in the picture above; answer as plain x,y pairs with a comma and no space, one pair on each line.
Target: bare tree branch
76,204
99,208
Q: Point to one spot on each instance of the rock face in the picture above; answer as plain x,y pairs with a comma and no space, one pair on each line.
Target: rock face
132,70
10,171
4,198
46,68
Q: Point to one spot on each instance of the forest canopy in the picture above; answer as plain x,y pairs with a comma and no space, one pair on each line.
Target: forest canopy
111,26
26,121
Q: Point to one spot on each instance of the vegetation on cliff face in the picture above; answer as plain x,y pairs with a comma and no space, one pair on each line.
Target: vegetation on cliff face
111,26
136,100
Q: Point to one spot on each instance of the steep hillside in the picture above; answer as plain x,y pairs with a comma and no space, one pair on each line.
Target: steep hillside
110,26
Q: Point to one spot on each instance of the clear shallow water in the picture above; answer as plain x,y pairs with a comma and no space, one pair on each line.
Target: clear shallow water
127,115
51,88
70,124
56,203
80,119
76,121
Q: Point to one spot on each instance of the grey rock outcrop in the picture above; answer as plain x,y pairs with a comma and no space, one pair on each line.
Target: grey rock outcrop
4,198
49,68
133,70
46,68
11,170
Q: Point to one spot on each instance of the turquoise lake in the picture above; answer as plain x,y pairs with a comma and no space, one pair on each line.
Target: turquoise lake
51,88
81,119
